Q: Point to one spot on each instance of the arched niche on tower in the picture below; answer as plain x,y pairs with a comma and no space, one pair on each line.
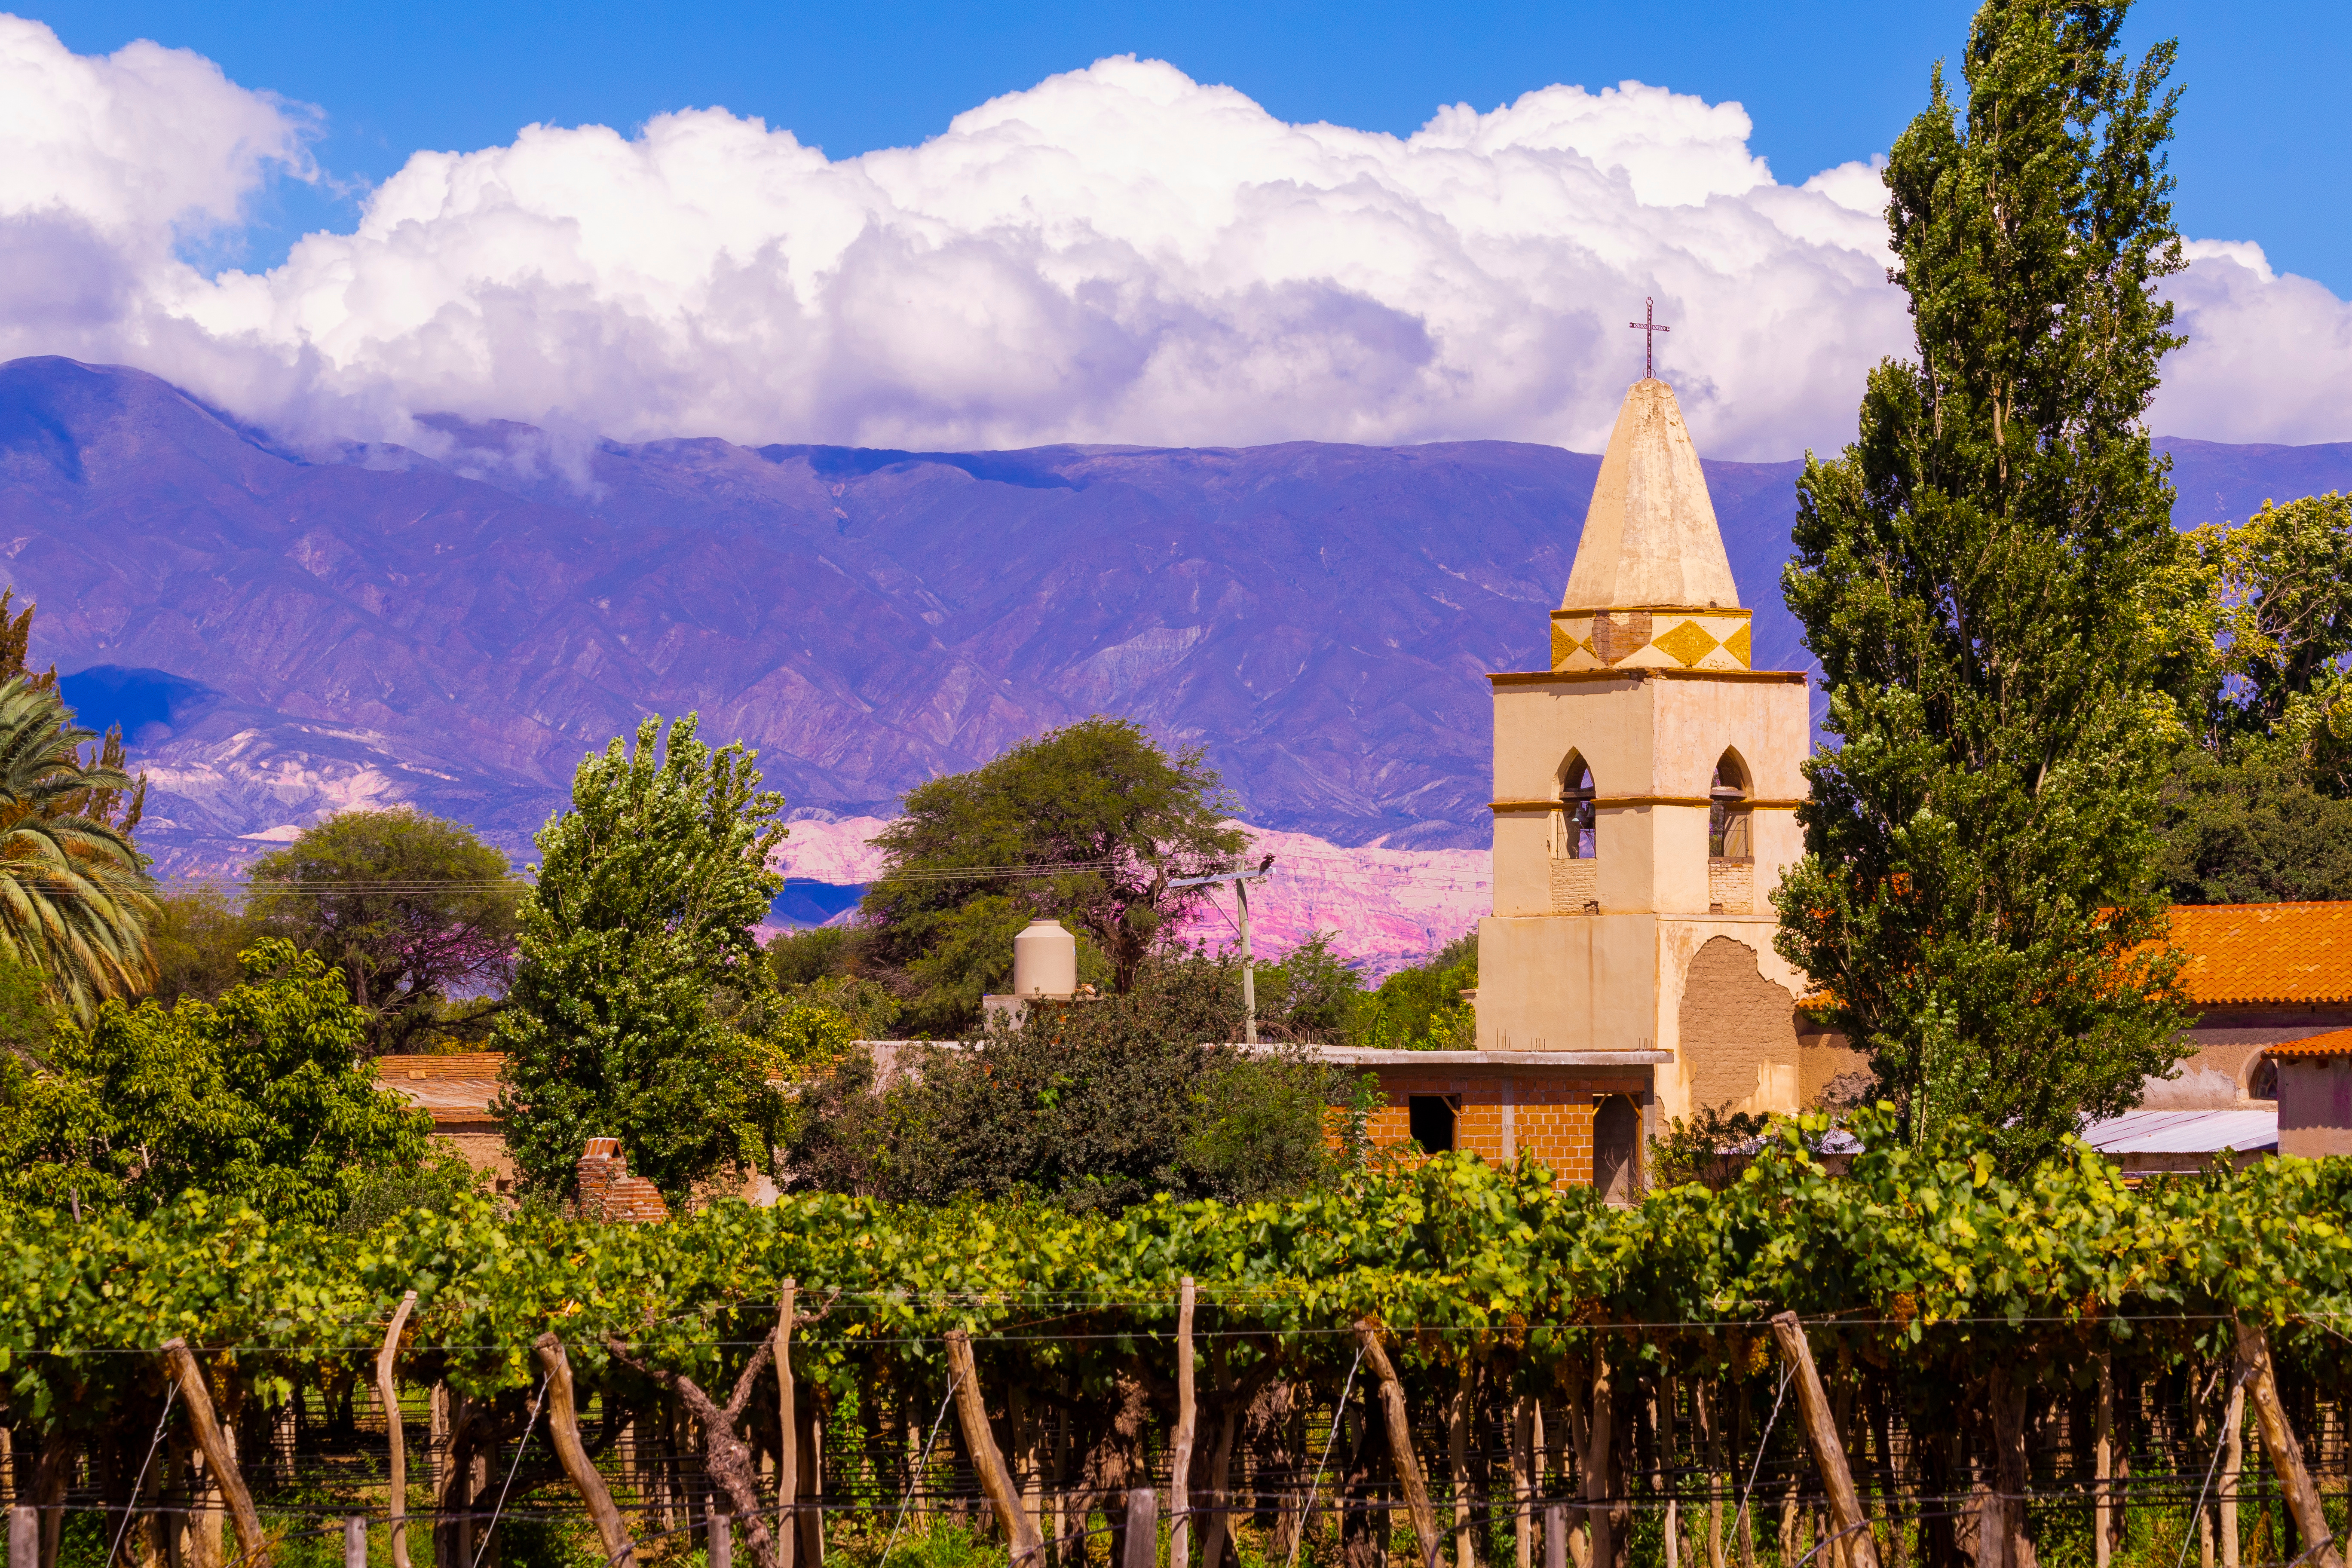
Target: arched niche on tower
1730,836
1575,823
1575,839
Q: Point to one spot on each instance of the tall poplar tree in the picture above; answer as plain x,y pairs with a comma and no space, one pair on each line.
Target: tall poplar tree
1986,575
640,918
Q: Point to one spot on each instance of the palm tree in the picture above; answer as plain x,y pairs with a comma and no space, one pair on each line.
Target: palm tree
75,899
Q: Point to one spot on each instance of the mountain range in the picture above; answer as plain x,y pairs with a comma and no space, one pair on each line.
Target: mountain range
455,621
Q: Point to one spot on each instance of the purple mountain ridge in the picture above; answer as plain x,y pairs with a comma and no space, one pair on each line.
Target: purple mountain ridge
285,636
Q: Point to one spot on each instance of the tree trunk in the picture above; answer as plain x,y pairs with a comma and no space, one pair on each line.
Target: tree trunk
971,1413
1851,1529
2011,1476
387,1390
2285,1454
808,1492
1216,1544
1706,1409
563,1424
1575,1527
1363,1518
1402,1458
1607,1539
218,1458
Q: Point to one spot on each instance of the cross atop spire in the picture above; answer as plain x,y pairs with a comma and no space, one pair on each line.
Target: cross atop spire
1648,326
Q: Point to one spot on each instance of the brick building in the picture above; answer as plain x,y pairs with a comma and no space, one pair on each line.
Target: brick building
1585,1115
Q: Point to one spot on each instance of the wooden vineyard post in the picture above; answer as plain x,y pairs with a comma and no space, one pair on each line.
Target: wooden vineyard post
721,1535
2233,1460
1662,1421
388,1391
24,1537
1829,1452
1180,1479
2102,1464
1142,1527
255,1547
971,1412
356,1542
788,1457
1521,1444
564,1422
1458,1451
1408,1467
2286,1453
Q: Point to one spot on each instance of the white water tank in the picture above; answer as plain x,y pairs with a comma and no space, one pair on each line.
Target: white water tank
1045,961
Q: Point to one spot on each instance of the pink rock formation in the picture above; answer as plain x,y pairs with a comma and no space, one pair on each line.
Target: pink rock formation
1387,907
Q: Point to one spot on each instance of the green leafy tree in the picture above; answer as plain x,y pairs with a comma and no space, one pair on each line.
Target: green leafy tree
2259,805
1312,996
804,957
195,936
1087,824
2283,584
1990,581
75,897
1088,1105
2247,824
633,939
266,1095
1421,1008
414,913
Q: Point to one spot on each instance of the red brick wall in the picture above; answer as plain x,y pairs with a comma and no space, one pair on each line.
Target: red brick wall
608,1190
1550,1113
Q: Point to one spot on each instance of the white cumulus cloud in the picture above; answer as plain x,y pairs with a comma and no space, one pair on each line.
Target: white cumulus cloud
1118,254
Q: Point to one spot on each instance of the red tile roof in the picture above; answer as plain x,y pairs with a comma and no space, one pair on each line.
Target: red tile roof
2336,1043
2273,954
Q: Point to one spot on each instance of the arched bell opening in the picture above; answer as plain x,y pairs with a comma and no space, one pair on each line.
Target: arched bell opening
1728,833
1575,830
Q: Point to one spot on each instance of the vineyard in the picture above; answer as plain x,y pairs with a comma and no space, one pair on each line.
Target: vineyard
1453,1365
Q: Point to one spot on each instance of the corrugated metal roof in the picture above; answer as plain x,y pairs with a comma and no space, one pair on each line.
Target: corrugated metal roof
2264,953
2184,1132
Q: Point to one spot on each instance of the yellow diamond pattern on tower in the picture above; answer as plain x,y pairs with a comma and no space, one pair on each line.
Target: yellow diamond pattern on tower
1736,645
1686,644
1562,645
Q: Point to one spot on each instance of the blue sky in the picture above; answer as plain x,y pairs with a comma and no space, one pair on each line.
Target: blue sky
1154,226
2261,153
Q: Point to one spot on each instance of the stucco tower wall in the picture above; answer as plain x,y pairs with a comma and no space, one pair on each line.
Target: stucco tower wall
1556,978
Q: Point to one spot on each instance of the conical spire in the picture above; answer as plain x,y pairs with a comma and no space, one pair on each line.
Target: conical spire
1651,585
1650,536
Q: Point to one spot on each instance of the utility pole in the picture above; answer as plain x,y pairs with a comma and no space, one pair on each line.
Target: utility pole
1241,881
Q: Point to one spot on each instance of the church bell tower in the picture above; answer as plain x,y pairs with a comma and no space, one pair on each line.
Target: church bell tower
1645,787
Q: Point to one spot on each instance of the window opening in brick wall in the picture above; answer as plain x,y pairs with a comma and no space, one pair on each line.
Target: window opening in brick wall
1431,1119
1616,1149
